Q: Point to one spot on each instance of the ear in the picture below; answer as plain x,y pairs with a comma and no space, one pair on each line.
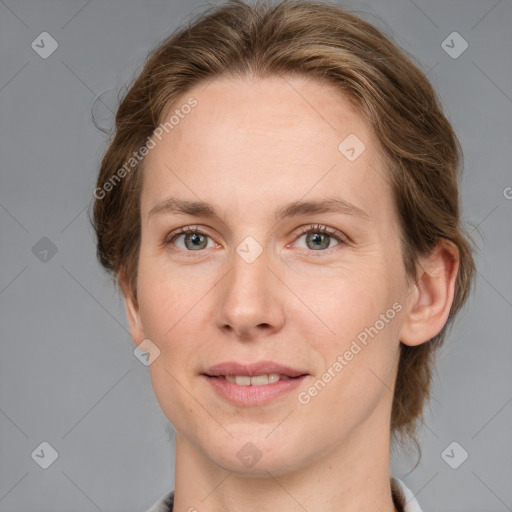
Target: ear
132,309
431,297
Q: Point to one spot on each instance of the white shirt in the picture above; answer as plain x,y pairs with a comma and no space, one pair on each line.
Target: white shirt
411,504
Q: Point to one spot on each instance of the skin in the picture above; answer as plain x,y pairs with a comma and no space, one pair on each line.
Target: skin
247,147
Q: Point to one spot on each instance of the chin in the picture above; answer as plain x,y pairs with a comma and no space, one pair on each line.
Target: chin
275,466
256,454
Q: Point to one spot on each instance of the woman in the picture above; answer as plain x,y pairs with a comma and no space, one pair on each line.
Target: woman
279,206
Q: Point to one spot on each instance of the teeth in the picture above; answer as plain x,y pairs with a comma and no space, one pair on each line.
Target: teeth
257,380
273,377
243,380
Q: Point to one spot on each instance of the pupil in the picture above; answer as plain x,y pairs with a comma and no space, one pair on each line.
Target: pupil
193,240
317,237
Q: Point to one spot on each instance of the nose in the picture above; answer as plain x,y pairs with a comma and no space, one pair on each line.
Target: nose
250,300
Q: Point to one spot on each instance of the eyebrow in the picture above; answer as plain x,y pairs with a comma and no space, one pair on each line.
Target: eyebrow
177,206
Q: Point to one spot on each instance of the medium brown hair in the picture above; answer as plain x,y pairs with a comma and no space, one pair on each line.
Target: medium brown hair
323,42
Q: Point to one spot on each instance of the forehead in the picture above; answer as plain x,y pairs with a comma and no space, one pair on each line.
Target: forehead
264,139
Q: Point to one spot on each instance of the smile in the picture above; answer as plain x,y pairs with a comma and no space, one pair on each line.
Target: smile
253,384
257,380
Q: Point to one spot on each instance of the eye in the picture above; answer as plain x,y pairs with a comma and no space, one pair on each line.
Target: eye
319,237
193,239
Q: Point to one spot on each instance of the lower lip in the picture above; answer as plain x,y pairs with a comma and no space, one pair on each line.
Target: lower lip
253,395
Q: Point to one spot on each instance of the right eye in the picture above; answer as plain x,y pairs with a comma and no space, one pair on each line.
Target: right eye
193,239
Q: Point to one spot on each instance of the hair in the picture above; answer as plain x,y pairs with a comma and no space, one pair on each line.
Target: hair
421,152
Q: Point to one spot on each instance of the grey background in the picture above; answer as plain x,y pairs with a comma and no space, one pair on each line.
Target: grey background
68,375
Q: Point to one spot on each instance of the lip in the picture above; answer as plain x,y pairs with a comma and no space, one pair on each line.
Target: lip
251,396
252,369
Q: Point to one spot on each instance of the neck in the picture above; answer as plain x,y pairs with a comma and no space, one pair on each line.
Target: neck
352,475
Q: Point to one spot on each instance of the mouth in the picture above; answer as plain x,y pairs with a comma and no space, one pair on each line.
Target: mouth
256,380
253,384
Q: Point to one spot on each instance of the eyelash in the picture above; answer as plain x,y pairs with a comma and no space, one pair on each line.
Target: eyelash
316,228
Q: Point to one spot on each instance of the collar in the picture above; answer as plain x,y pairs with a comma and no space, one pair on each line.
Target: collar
403,498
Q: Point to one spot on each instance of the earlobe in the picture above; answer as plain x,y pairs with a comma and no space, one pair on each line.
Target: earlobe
430,300
132,311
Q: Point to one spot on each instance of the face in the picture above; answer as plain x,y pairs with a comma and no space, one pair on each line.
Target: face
291,269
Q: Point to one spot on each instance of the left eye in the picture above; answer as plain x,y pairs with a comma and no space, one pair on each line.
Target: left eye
317,238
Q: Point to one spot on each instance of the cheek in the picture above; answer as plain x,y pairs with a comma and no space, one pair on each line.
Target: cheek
166,296
353,300
362,351
360,368
172,303
167,314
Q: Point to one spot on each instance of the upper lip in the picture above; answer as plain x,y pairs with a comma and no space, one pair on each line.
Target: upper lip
252,369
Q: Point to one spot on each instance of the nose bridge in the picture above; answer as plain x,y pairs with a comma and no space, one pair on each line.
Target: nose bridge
250,268
249,294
